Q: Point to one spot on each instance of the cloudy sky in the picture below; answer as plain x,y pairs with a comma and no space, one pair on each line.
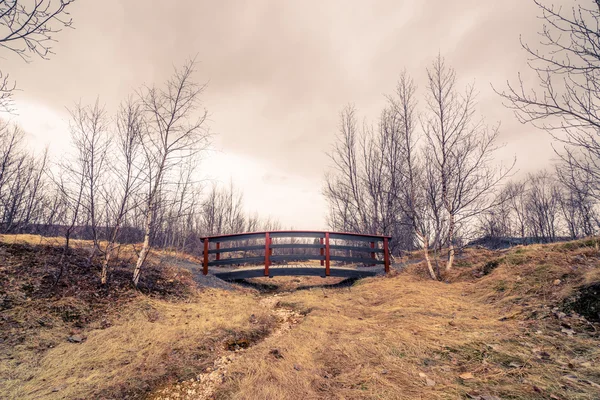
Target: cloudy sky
278,74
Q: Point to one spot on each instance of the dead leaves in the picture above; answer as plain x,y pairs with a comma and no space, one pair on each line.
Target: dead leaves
466,376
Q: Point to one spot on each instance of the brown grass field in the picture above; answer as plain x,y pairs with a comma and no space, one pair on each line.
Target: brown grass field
506,325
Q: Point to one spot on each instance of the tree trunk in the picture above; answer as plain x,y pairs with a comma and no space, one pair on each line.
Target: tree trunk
451,250
108,253
145,249
104,275
425,240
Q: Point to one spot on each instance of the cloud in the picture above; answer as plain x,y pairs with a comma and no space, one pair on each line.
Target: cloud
278,74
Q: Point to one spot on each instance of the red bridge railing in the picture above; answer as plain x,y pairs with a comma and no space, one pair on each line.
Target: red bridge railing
327,250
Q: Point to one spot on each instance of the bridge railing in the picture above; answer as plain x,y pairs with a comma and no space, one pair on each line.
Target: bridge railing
327,251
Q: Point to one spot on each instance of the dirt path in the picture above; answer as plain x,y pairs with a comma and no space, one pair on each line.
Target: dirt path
204,386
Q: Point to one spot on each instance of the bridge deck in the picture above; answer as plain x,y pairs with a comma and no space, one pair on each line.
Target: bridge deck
259,272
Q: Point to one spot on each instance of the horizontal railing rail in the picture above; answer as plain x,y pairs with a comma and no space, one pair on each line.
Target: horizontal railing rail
324,247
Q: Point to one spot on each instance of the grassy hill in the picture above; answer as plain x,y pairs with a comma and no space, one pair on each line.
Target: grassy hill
513,324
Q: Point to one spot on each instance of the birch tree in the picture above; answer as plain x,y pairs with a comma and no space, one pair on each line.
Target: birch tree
126,169
460,151
175,130
409,172
89,134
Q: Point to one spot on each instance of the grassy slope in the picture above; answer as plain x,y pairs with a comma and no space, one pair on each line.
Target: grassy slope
399,337
405,337
133,341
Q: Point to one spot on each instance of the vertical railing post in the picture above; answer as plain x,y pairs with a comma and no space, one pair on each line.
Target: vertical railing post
321,251
267,252
386,255
205,264
218,254
327,254
373,253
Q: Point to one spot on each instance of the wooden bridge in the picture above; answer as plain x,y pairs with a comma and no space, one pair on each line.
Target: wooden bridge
273,248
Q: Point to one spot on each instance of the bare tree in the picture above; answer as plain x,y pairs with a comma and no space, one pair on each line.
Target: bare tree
27,28
363,188
173,134
460,151
89,133
21,174
566,102
11,138
126,172
409,173
343,189
543,206
222,211
577,202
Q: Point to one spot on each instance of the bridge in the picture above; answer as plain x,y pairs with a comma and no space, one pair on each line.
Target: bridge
272,249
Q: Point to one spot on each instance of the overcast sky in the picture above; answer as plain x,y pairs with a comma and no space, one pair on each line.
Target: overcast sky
278,74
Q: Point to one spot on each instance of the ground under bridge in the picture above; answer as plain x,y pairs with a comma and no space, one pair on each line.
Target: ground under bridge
260,254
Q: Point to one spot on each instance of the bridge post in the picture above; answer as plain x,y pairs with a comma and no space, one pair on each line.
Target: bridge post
321,251
267,252
386,255
205,263
218,254
327,254
373,253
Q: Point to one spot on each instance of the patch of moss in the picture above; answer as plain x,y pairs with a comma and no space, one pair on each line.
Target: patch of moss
500,286
516,259
577,244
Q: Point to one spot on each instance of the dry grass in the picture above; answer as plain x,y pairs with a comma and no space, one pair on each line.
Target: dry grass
282,284
124,251
406,337
38,240
151,343
131,341
502,327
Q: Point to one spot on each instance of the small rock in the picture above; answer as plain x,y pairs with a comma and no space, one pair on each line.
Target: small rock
429,382
515,365
58,388
297,367
569,332
422,375
557,282
483,397
384,372
544,355
76,339
560,315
